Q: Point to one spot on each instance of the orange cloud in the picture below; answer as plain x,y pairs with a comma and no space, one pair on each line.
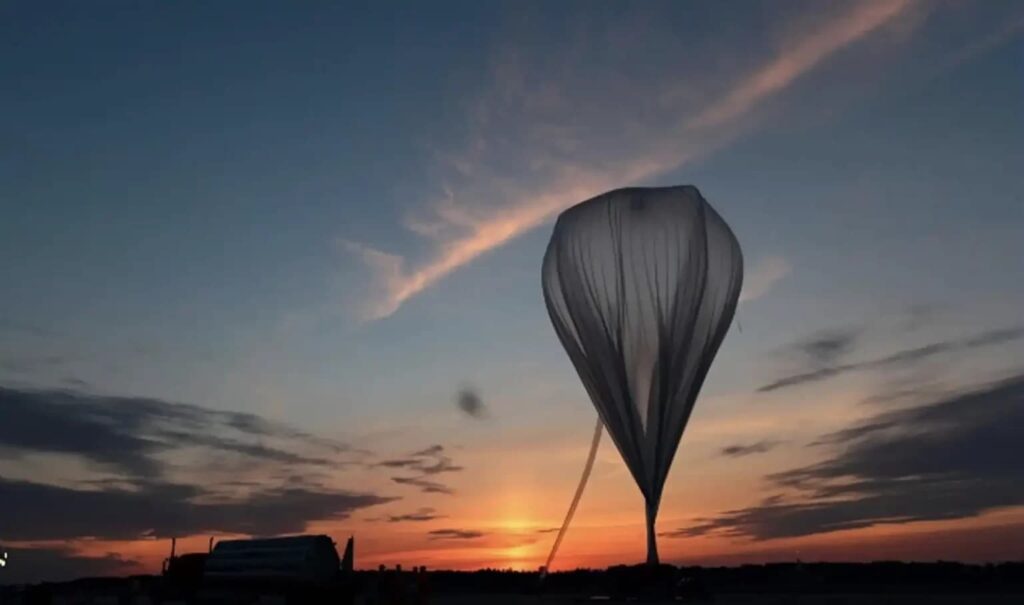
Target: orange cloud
762,276
805,54
562,166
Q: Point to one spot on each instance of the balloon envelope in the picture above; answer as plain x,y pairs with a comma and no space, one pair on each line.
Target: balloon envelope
641,285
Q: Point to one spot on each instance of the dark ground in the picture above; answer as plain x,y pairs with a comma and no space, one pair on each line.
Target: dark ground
792,583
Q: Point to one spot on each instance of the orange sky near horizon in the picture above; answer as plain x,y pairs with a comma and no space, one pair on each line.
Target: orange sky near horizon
588,546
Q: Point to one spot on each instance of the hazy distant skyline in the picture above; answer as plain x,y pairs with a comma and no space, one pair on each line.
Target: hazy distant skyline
271,268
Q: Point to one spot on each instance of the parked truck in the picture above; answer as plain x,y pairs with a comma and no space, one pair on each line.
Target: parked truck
290,569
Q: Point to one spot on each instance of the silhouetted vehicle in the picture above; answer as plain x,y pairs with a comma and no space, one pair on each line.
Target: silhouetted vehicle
299,559
182,577
300,569
296,569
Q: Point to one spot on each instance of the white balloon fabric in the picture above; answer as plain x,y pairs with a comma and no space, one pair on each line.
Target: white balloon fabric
641,285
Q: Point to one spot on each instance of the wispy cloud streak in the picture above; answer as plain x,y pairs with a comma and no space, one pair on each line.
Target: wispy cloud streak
762,277
740,450
561,151
901,358
804,55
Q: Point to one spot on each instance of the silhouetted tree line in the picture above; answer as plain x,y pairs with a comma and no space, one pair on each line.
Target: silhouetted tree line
620,580
881,576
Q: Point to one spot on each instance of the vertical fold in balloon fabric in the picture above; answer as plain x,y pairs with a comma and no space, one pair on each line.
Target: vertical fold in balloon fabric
641,285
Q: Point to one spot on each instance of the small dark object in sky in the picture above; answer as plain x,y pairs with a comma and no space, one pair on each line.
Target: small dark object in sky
470,403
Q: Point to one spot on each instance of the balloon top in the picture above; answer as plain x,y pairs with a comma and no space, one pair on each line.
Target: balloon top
638,197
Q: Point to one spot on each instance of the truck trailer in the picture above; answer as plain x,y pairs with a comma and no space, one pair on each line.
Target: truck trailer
289,569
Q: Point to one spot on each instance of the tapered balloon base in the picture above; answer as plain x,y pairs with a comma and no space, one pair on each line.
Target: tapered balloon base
652,536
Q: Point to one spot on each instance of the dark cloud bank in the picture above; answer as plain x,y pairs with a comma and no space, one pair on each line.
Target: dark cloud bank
825,350
36,511
128,435
424,464
739,450
956,457
455,534
829,347
423,514
132,441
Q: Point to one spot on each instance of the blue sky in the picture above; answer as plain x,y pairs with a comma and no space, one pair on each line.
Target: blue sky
333,215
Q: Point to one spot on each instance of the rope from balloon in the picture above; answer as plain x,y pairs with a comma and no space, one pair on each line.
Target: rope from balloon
576,498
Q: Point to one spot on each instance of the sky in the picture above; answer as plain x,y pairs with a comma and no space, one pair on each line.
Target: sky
273,268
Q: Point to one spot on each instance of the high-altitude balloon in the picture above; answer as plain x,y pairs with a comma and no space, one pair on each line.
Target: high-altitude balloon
641,285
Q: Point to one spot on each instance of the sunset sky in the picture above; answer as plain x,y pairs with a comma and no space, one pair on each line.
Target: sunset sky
252,252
